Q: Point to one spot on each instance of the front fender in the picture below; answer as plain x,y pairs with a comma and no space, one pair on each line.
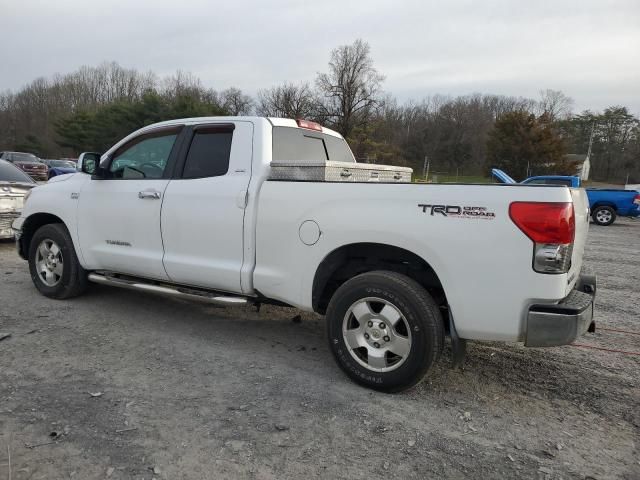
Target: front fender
50,203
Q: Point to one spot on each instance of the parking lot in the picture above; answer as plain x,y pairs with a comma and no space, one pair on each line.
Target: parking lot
118,384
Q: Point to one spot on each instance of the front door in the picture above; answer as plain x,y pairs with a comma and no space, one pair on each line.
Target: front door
119,213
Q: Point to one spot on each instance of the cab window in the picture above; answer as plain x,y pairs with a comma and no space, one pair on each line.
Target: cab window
549,181
300,145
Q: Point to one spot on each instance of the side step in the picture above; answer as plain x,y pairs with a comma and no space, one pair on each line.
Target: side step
178,292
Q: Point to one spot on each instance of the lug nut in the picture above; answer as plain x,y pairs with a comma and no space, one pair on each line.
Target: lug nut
376,344
370,323
386,339
366,335
382,325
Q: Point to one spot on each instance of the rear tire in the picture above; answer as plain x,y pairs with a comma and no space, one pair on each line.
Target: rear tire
53,263
603,216
384,330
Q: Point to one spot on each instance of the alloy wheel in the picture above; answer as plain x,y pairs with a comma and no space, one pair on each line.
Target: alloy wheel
377,334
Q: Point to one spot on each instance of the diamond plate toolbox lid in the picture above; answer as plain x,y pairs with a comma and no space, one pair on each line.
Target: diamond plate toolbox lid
339,172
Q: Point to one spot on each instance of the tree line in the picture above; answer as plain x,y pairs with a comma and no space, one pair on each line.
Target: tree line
93,107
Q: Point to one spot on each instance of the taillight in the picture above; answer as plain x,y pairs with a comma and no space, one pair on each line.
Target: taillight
552,228
636,199
309,125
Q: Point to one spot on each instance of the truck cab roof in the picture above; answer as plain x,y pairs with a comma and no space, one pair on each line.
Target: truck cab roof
273,121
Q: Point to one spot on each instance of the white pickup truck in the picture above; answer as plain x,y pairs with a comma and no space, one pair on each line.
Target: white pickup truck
191,208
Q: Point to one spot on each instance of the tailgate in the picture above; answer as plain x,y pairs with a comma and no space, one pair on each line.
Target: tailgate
581,211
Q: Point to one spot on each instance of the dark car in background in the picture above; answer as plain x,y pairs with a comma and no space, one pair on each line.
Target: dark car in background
60,167
28,163
14,185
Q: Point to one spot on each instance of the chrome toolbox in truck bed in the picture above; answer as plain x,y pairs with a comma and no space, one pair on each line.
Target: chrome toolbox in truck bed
339,172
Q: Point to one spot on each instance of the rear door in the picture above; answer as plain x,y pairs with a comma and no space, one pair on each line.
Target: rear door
203,210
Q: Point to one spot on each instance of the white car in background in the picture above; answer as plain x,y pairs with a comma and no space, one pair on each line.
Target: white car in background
14,185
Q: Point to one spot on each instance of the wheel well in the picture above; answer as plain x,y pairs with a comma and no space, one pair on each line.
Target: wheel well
31,226
350,260
604,204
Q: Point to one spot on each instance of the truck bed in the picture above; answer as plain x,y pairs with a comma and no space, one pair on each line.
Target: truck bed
457,247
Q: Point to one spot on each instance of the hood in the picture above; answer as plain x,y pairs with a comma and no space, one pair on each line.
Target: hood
15,188
501,176
62,178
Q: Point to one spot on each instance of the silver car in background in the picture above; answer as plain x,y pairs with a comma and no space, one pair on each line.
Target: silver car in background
14,185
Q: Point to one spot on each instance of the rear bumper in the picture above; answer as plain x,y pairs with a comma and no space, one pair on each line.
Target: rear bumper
551,325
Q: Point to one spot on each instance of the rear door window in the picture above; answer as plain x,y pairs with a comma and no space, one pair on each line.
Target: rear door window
209,153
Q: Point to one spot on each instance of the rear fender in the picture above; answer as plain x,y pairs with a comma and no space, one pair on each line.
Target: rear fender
604,204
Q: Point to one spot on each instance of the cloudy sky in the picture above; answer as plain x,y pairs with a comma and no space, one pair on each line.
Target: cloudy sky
588,49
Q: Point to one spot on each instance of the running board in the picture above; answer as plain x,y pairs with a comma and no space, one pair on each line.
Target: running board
177,292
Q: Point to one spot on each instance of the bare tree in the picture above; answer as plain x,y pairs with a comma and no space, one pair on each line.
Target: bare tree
554,105
500,105
287,100
235,102
351,89
181,83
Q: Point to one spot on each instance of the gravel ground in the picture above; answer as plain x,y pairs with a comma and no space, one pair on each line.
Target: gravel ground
116,383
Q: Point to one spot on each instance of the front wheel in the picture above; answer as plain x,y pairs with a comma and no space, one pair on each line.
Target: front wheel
384,330
603,216
53,263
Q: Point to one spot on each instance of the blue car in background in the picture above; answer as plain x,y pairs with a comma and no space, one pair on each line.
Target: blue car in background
60,167
606,204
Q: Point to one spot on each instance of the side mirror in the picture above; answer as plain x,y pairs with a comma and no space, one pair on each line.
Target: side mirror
88,162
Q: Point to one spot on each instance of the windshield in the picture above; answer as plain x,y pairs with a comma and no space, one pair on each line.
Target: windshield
9,173
308,146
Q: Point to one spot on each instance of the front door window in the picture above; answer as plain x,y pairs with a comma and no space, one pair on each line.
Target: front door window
144,157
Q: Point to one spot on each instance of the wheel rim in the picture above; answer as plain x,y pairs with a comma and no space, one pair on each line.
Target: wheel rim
49,262
603,216
377,334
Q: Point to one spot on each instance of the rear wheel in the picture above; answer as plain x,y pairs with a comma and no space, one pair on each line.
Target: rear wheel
384,330
603,216
53,263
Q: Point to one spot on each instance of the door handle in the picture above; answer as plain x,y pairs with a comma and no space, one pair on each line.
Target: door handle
152,194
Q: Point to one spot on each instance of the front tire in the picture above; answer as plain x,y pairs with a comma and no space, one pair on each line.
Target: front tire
53,263
385,331
603,216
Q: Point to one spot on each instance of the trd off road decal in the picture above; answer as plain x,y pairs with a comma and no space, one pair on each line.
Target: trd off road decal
456,211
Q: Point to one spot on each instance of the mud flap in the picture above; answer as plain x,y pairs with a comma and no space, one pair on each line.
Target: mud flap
458,345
